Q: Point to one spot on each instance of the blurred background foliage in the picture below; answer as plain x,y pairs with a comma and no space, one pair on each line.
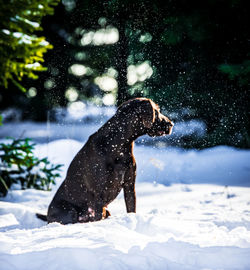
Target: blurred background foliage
190,56
22,52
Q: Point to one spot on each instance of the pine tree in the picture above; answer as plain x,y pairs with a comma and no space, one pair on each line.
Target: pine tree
21,50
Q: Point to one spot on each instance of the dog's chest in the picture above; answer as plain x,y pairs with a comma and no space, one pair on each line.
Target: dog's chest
113,185
116,169
119,164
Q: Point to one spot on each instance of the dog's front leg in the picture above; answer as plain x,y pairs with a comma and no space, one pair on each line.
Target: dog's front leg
96,212
129,192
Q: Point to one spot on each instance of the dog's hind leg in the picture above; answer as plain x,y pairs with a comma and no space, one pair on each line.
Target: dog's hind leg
105,213
63,212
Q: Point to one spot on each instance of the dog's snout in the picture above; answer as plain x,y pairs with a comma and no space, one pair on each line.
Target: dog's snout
169,123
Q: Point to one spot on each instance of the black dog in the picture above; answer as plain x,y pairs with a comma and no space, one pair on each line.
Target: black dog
106,164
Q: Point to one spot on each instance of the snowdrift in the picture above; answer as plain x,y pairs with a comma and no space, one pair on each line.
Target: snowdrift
192,213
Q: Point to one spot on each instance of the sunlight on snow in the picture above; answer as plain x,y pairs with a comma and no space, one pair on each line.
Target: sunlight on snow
108,99
78,70
33,65
49,84
106,83
109,35
139,72
76,109
147,37
32,92
71,94
159,164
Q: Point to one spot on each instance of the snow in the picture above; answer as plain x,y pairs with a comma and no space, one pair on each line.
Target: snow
81,120
192,213
42,132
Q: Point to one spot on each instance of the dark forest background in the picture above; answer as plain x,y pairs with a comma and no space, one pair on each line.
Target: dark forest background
190,57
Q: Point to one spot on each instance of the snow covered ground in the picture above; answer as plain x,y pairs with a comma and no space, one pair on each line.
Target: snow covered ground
193,212
80,124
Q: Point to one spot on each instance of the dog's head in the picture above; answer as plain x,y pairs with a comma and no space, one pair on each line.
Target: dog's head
148,114
161,126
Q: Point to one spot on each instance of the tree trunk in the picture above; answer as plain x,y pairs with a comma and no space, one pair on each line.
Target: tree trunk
122,57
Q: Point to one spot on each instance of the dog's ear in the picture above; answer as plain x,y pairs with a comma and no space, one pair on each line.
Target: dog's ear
146,110
142,109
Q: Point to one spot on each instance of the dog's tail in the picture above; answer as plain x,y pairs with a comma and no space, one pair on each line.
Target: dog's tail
42,217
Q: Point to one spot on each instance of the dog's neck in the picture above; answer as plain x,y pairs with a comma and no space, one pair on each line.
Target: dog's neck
123,133
138,132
